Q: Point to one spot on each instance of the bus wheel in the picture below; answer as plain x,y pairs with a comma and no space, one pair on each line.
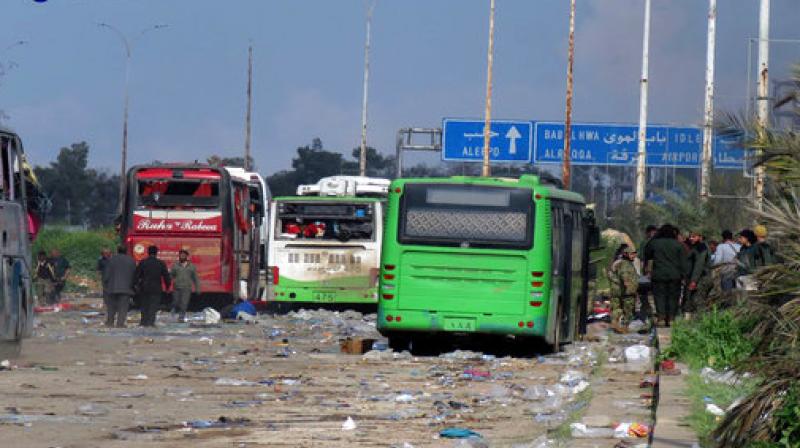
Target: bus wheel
10,349
399,342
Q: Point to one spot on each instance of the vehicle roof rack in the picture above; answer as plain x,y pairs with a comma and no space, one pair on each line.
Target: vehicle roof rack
340,186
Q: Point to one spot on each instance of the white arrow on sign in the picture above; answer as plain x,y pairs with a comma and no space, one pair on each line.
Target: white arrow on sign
512,135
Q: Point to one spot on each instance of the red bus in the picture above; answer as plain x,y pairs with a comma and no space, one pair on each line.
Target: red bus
214,215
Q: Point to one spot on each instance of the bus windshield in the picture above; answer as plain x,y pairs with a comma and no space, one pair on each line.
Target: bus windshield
466,216
171,193
325,221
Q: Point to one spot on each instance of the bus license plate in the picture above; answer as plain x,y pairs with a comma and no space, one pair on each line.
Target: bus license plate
323,296
459,324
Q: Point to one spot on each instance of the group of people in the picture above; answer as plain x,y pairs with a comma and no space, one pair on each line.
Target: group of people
679,269
50,277
123,280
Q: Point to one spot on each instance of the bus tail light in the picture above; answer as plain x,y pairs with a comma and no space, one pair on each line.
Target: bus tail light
537,295
537,274
521,324
530,324
398,318
536,303
388,276
276,274
388,296
389,267
537,284
389,318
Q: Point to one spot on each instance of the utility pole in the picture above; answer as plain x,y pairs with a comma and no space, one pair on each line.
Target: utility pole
708,118
249,108
487,127
641,161
763,94
566,168
127,43
362,158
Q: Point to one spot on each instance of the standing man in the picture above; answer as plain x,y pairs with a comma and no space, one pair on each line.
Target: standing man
699,262
725,264
765,255
102,263
667,259
119,275
184,276
645,287
61,270
43,279
151,277
624,284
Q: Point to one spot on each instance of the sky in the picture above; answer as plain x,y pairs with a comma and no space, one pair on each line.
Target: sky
428,62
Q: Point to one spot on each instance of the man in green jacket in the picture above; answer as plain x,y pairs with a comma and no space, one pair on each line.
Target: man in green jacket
667,266
624,284
184,275
698,262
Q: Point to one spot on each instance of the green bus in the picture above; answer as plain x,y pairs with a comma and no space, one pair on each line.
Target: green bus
466,255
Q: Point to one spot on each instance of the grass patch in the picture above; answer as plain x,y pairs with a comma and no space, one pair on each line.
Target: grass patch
714,338
723,395
81,249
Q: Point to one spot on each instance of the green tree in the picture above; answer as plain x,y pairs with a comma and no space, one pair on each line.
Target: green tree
68,183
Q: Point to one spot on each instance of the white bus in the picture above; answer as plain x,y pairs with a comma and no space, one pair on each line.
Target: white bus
324,243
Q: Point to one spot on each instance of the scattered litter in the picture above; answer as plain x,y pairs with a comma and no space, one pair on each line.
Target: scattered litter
92,410
626,430
713,409
728,377
404,398
581,431
5,365
139,377
131,395
458,433
636,325
348,424
211,316
234,382
637,353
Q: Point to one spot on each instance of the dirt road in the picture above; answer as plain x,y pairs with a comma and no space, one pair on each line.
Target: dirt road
279,382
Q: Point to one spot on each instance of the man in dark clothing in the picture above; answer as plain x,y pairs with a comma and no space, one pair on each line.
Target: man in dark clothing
43,279
118,279
746,258
645,288
698,263
667,267
61,270
765,255
151,278
102,263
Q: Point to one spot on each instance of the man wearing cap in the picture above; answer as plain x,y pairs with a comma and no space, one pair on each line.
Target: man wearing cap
624,285
151,277
765,255
184,277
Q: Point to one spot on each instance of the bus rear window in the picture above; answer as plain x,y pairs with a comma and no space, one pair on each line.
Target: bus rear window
466,216
325,221
192,193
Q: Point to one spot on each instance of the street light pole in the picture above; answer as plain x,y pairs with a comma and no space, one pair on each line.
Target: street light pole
362,156
708,119
641,167
566,170
487,127
127,44
762,102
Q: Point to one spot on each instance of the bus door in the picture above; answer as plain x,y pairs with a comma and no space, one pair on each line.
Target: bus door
566,269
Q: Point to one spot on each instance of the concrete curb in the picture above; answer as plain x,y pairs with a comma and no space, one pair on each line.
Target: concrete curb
670,429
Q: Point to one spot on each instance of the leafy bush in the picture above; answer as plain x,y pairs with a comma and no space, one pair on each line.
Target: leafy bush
81,248
715,338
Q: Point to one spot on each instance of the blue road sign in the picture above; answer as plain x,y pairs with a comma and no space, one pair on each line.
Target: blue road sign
511,141
617,144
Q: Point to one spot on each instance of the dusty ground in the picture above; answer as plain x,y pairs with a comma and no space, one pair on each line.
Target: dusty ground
81,385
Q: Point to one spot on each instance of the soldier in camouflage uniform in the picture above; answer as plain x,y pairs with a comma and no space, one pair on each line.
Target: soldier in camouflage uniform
624,286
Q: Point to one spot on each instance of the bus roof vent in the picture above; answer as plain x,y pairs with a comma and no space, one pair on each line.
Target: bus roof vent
346,186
